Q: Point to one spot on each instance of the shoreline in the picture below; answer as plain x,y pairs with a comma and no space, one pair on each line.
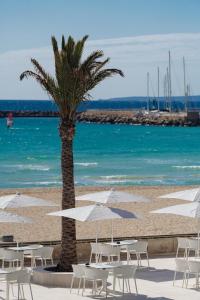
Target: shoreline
46,228
128,117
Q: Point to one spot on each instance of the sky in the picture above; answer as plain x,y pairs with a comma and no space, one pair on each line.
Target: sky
135,34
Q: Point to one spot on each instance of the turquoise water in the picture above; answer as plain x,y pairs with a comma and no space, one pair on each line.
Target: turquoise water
104,154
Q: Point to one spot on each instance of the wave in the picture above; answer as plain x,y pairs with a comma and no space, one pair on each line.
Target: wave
108,177
116,181
29,167
187,167
86,164
16,128
46,183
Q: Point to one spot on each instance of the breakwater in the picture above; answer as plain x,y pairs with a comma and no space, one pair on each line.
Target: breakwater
137,118
42,114
131,117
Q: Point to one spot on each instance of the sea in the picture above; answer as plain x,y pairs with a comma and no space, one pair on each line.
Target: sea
104,155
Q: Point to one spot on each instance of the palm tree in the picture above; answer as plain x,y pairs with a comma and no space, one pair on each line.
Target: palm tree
74,79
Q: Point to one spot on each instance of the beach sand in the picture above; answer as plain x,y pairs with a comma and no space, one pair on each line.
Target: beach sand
48,228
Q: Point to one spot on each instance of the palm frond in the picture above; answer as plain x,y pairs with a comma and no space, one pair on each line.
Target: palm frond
74,78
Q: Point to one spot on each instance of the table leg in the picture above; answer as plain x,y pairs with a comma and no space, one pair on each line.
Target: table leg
7,290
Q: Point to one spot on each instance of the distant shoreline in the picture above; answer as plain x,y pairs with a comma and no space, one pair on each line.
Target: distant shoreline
129,117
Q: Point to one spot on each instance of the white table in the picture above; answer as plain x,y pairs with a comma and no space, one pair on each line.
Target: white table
122,243
105,266
26,248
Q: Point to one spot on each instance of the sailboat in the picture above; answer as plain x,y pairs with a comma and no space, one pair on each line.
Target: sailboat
9,120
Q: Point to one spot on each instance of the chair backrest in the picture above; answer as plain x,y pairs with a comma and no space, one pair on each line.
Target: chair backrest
47,252
13,255
108,250
193,244
181,264
129,242
139,247
194,266
94,274
2,250
183,243
126,271
37,252
21,276
95,249
78,271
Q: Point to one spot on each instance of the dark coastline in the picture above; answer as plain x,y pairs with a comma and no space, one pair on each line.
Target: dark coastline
118,117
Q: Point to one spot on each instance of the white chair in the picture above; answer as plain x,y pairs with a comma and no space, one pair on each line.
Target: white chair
43,254
2,255
138,248
95,276
183,243
20,278
95,251
193,245
181,265
78,273
13,258
47,254
109,251
194,268
125,273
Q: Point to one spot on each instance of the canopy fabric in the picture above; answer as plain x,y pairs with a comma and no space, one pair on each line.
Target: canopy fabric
18,200
191,210
189,195
111,196
94,213
6,217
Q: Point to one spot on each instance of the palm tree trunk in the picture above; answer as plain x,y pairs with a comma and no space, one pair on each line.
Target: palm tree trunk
68,241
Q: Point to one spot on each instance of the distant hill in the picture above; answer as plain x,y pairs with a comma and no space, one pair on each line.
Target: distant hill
122,103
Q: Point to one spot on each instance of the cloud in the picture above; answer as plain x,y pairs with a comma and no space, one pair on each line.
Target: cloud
134,55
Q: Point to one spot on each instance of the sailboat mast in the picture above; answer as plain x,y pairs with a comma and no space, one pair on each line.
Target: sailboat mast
185,86
158,89
170,84
168,90
165,91
148,108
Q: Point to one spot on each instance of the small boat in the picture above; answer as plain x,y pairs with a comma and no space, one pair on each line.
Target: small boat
9,120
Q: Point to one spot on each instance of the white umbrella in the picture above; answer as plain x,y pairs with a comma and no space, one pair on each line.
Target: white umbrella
6,217
191,210
18,200
189,195
112,196
94,213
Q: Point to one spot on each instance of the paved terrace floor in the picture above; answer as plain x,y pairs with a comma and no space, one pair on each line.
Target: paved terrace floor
153,284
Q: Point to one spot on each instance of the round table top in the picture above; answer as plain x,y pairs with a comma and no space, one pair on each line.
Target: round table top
25,248
122,243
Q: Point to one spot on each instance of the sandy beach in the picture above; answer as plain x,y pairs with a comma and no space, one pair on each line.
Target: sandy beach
46,228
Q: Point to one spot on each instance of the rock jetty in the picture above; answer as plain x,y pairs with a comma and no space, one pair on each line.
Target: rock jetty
119,117
16,114
137,118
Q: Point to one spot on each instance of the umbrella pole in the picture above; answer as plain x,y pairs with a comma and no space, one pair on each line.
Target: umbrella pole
198,235
97,231
111,231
